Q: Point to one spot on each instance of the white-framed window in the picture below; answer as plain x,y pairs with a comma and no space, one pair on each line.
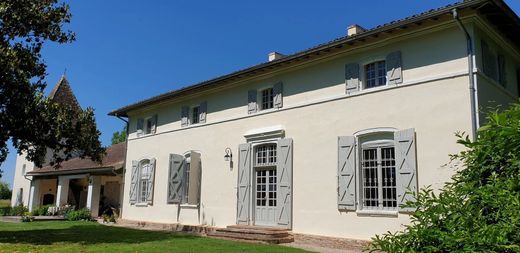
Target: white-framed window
265,174
378,175
195,111
144,180
186,178
375,74
266,99
146,125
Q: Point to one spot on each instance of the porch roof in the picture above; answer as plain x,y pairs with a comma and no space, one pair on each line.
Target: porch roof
112,162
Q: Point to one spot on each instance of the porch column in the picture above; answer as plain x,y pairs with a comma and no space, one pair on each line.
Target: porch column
94,190
34,195
62,193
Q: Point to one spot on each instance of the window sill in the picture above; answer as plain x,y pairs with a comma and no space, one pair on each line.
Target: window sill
141,204
377,213
189,206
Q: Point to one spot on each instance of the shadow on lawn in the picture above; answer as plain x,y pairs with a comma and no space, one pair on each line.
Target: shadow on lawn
87,234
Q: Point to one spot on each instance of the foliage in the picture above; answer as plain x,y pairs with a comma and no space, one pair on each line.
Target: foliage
33,122
5,192
27,217
41,211
480,209
119,137
13,211
83,214
77,236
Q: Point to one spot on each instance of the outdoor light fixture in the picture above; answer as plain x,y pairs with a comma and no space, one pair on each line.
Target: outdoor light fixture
229,155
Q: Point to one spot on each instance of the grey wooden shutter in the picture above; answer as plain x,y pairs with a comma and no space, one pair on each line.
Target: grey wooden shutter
406,166
175,178
278,95
154,124
140,127
151,179
346,173
203,111
284,168
134,179
251,101
195,173
352,77
244,183
185,113
394,73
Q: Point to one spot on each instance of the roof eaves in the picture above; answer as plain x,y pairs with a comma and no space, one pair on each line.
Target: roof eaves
400,23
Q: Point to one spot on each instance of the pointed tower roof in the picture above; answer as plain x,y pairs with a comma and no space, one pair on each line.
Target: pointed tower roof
62,94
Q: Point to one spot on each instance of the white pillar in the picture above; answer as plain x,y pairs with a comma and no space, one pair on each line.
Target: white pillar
34,195
94,190
62,193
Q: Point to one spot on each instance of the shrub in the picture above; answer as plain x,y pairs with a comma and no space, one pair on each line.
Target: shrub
81,214
41,211
19,210
480,209
27,217
5,211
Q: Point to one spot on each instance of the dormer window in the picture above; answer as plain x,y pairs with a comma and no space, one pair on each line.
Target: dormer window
375,74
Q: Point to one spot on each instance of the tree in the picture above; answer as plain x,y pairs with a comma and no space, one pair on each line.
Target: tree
119,137
5,192
479,211
33,122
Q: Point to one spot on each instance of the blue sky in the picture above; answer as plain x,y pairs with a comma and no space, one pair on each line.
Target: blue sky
127,51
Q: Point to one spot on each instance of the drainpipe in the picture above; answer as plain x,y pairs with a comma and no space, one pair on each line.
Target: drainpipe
124,165
472,79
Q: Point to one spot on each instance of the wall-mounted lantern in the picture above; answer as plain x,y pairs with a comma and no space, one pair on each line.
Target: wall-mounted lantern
229,155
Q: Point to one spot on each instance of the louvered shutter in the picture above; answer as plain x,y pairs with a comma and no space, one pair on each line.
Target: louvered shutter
346,173
151,179
394,73
134,179
175,178
195,173
140,127
278,95
154,124
352,77
185,111
251,101
203,111
244,183
284,168
406,166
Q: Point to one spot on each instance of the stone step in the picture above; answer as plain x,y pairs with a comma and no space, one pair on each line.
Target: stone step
253,234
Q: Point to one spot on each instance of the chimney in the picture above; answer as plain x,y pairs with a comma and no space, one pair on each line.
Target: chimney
275,56
354,29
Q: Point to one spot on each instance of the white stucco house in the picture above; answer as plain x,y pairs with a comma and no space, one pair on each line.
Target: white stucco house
327,141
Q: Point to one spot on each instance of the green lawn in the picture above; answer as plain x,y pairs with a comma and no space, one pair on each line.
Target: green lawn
67,236
5,202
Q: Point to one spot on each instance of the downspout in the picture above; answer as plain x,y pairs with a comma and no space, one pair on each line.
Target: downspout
472,79
124,164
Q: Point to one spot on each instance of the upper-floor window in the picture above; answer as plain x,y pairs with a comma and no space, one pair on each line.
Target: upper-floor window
195,111
493,64
194,114
267,99
147,125
375,74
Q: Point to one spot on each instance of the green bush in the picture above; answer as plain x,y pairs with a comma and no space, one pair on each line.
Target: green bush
5,211
81,214
41,211
480,209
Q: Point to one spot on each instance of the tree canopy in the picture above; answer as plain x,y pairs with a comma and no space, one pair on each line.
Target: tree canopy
34,123
119,137
479,211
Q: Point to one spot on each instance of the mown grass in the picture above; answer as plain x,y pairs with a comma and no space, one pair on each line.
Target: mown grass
5,202
66,236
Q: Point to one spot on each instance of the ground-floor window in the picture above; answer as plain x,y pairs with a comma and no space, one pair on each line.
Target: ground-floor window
144,180
378,176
